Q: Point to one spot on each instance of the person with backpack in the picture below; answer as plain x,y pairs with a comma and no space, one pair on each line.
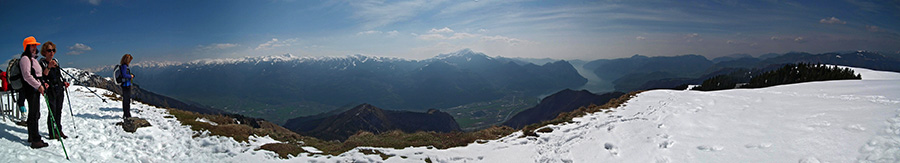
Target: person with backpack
52,76
31,74
124,75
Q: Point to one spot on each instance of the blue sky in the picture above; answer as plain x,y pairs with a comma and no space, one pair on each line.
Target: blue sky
91,33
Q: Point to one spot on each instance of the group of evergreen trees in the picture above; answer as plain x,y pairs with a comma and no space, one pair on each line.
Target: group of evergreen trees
787,74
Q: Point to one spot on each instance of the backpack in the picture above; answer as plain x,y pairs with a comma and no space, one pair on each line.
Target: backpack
5,82
14,74
118,75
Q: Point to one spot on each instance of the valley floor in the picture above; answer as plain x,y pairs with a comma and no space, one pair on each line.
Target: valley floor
831,121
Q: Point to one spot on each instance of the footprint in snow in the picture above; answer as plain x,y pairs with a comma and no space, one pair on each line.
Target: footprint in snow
611,148
855,127
696,109
809,160
666,144
710,148
758,146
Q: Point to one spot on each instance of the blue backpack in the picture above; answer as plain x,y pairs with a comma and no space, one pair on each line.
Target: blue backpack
118,75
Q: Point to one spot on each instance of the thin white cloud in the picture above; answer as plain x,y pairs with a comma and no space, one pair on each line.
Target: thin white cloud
462,35
393,33
377,13
369,32
218,46
275,43
433,36
832,20
866,5
799,39
872,28
468,6
640,38
482,30
442,30
94,2
78,48
508,40
693,37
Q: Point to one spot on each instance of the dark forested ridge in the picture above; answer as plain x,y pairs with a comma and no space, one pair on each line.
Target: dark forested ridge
369,118
787,74
562,101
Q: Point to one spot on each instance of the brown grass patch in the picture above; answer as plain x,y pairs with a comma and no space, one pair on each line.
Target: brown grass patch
398,139
284,149
113,96
372,152
227,127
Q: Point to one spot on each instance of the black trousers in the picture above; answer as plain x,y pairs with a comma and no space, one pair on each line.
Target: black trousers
34,112
126,101
20,101
55,96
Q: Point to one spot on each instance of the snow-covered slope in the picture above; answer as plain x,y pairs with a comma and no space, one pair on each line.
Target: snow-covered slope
831,121
100,140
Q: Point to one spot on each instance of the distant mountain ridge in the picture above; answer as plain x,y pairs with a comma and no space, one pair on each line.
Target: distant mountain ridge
641,72
366,117
291,86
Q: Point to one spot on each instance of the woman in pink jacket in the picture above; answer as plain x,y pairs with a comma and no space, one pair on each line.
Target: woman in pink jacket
31,73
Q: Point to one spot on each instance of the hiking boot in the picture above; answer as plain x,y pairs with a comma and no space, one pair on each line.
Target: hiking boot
38,144
57,136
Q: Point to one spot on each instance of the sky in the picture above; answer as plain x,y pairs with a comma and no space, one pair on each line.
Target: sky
92,33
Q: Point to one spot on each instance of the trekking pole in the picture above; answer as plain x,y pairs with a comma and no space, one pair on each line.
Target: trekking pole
69,98
89,89
54,126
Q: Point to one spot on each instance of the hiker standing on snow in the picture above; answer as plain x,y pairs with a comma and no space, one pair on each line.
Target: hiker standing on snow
126,84
53,78
31,73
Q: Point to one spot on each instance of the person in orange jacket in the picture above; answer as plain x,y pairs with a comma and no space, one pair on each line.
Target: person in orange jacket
32,90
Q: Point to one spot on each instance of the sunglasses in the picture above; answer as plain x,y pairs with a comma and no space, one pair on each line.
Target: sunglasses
51,50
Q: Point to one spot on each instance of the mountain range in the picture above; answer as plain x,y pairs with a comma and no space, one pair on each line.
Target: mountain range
281,87
641,72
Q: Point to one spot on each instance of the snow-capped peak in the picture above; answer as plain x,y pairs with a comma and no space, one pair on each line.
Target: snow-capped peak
287,57
468,53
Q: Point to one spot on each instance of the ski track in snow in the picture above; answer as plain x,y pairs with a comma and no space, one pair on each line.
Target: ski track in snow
831,121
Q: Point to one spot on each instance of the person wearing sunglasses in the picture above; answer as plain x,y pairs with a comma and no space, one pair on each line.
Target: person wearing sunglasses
56,87
31,74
